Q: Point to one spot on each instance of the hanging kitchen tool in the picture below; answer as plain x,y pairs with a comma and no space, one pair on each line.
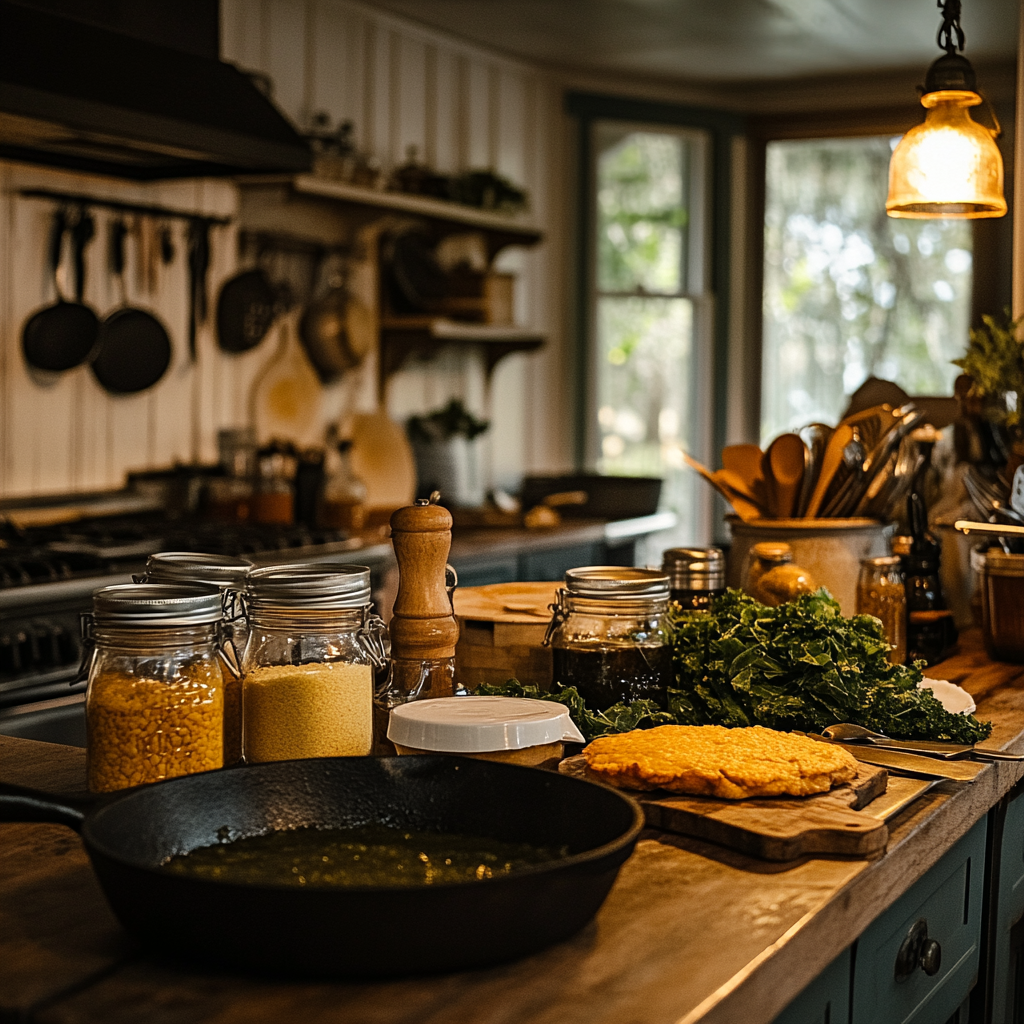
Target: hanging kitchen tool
198,265
286,396
325,331
133,349
246,309
61,336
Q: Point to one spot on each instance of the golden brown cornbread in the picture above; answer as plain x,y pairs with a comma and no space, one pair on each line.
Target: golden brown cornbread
710,760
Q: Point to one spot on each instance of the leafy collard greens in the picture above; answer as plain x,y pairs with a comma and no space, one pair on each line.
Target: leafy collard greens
801,666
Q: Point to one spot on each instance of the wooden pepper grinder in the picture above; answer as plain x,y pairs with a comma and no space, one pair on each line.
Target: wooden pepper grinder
423,627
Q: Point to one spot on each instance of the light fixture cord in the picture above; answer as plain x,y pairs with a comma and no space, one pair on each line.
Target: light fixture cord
951,35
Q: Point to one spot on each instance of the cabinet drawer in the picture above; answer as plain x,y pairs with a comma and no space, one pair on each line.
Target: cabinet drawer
949,902
1008,951
826,1000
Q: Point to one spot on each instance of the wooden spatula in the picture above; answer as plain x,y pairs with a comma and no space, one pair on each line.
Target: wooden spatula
830,462
746,509
784,464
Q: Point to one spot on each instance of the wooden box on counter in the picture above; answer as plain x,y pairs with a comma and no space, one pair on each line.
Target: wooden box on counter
501,634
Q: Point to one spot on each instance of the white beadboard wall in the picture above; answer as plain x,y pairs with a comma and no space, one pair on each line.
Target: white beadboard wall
401,85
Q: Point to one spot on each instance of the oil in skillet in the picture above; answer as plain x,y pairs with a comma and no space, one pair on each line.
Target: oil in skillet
364,856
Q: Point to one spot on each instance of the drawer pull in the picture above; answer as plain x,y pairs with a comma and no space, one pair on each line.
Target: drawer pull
916,951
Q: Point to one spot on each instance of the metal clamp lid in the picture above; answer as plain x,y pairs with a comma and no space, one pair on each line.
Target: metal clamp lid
616,583
197,567
694,568
317,586
156,604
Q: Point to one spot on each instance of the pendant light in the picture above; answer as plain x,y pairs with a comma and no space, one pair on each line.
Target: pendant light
949,166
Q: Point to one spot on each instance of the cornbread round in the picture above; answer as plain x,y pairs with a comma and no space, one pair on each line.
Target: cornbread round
711,760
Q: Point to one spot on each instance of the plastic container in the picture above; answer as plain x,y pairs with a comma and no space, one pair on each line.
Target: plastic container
308,667
1001,580
516,730
154,706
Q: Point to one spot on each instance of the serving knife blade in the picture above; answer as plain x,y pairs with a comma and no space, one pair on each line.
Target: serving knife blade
914,764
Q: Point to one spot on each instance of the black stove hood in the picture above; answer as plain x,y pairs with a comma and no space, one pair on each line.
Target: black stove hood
76,94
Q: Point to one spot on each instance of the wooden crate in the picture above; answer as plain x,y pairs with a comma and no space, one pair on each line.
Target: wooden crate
501,634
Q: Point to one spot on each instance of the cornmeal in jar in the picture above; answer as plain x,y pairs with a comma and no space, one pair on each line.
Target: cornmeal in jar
143,729
323,709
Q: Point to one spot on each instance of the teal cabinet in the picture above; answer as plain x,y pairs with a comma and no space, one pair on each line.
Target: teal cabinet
1008,908
918,961
826,1000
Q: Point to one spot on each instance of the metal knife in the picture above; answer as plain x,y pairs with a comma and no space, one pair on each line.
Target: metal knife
847,733
914,764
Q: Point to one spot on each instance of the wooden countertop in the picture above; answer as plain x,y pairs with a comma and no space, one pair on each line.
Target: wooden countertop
690,932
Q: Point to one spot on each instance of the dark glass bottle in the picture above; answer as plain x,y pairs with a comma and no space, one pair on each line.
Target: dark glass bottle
931,632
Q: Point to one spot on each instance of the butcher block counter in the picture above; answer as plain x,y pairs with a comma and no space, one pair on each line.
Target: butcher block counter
690,931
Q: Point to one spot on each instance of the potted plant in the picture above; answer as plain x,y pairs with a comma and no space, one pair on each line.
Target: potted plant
994,361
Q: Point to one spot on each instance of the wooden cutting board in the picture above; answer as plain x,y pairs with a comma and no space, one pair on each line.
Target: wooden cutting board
773,828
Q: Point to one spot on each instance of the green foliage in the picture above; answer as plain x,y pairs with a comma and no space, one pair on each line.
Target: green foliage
994,361
801,666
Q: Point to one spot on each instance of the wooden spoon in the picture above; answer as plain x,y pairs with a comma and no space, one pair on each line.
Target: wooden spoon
831,460
745,461
784,465
747,510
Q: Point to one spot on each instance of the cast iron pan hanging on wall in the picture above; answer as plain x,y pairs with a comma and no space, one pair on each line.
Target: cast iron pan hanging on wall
61,336
350,931
133,350
246,308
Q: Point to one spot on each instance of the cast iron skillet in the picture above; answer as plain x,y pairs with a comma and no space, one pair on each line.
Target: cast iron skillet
368,932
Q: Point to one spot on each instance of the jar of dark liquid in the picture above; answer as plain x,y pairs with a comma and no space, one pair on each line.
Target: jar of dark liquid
695,576
607,635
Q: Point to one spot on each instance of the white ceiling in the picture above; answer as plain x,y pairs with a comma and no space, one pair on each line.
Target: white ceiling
718,40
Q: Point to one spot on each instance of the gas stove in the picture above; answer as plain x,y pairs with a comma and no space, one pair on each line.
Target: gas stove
49,573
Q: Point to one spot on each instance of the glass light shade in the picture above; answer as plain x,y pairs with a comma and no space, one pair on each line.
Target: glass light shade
949,166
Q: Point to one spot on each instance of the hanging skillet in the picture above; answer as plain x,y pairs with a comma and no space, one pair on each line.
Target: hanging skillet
61,336
134,349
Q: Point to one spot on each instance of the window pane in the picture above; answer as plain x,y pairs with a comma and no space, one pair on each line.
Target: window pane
645,402
850,293
641,210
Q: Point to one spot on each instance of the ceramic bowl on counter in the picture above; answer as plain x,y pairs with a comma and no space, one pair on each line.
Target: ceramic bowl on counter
516,730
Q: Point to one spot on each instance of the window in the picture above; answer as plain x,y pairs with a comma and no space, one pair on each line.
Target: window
648,277
850,293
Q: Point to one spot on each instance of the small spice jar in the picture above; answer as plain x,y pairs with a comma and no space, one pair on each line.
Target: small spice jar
227,574
695,576
308,667
154,706
607,636
881,592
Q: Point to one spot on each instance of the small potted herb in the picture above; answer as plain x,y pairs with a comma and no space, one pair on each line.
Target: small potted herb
448,455
994,361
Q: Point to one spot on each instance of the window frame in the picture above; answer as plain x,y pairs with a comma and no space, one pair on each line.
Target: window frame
711,307
992,239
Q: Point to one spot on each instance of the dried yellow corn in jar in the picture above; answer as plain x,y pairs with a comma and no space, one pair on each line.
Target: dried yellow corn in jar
156,697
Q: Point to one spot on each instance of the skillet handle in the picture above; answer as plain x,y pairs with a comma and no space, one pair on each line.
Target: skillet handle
18,803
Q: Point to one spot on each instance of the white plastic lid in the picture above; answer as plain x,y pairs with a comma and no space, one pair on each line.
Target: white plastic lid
474,725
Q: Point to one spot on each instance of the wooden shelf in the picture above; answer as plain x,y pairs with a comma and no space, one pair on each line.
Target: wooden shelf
423,336
297,205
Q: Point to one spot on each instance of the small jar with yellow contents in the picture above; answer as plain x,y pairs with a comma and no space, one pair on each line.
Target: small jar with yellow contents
308,668
154,706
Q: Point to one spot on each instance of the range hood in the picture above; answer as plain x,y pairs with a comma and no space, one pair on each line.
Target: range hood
74,93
